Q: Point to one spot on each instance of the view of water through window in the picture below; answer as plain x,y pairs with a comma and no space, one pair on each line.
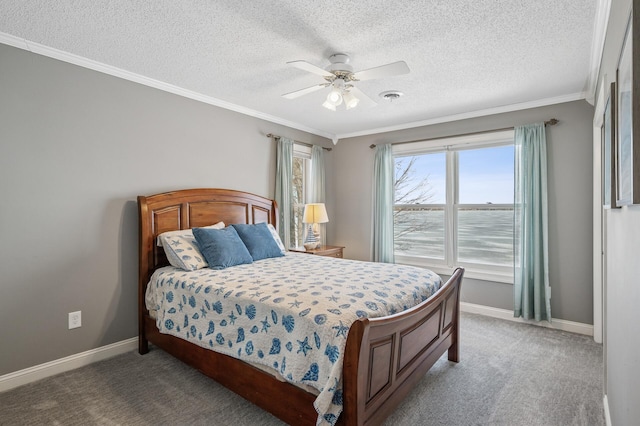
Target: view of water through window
484,236
481,213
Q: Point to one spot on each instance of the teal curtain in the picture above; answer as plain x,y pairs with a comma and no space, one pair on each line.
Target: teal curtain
383,204
532,294
317,192
284,183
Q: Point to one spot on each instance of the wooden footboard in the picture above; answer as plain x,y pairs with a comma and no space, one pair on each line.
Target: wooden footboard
386,357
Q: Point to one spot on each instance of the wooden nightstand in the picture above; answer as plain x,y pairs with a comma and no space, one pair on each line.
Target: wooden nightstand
328,251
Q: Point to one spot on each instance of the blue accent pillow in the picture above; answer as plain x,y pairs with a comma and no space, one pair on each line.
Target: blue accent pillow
222,247
258,240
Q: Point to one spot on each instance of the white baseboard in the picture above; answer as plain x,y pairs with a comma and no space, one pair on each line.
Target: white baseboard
558,324
31,374
607,413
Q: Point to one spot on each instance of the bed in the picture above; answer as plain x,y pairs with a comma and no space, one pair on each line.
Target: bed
383,357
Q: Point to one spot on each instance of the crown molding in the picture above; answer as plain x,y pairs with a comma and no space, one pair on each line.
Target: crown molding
472,114
50,52
600,24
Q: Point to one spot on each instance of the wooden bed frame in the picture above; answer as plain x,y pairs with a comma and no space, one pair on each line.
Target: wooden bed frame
384,357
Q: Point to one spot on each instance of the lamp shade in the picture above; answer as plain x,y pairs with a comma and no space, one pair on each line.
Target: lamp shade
329,105
350,101
315,213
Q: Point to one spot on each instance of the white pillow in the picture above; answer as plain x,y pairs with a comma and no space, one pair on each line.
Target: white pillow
182,250
277,238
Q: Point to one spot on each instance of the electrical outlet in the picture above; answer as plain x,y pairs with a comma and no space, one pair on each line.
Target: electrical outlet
75,319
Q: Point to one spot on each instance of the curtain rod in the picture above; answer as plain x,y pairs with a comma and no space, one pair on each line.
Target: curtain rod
271,135
550,122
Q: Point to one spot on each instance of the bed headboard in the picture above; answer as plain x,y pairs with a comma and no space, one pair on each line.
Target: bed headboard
189,208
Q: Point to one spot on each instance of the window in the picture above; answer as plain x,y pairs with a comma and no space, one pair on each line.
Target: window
301,177
454,204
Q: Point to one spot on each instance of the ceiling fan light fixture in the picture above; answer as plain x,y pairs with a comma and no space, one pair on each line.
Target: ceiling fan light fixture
335,97
329,105
339,77
350,101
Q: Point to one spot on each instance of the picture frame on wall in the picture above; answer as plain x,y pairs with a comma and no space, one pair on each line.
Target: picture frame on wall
627,148
609,151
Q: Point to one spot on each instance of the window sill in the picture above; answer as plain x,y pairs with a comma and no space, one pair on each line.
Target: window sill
471,271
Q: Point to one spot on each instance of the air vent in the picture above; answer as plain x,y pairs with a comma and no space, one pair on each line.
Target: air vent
391,95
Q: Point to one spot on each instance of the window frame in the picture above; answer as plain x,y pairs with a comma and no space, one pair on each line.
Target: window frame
303,152
452,146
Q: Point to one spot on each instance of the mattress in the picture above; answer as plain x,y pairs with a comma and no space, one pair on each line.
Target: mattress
291,314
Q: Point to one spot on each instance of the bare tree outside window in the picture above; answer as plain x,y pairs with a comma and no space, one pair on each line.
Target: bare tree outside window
297,202
409,190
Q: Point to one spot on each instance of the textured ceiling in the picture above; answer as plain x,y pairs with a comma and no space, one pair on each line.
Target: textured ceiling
465,56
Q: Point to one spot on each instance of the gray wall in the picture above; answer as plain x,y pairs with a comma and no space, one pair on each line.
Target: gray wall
76,148
622,291
570,212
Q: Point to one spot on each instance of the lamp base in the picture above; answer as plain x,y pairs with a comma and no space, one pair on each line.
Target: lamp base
311,241
316,235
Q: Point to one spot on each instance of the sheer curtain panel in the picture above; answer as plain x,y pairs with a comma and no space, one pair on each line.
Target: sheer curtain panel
383,204
284,179
317,192
532,294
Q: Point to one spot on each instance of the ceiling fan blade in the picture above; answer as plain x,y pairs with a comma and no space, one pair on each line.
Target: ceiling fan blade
389,70
367,102
301,92
306,66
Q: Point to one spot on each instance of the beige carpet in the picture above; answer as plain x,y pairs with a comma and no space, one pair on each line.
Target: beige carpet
510,374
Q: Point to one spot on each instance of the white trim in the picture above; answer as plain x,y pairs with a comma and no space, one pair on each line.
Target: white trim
557,324
50,52
302,151
473,114
607,413
599,248
48,369
493,275
14,41
600,24
455,143
150,82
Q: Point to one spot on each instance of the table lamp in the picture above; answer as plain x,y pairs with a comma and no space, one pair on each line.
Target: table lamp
314,214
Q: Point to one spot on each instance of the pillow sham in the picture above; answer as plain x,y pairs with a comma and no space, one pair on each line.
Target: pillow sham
222,248
185,232
276,237
182,250
258,240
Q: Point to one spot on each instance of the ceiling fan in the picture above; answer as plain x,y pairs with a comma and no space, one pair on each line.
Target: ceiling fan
340,77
